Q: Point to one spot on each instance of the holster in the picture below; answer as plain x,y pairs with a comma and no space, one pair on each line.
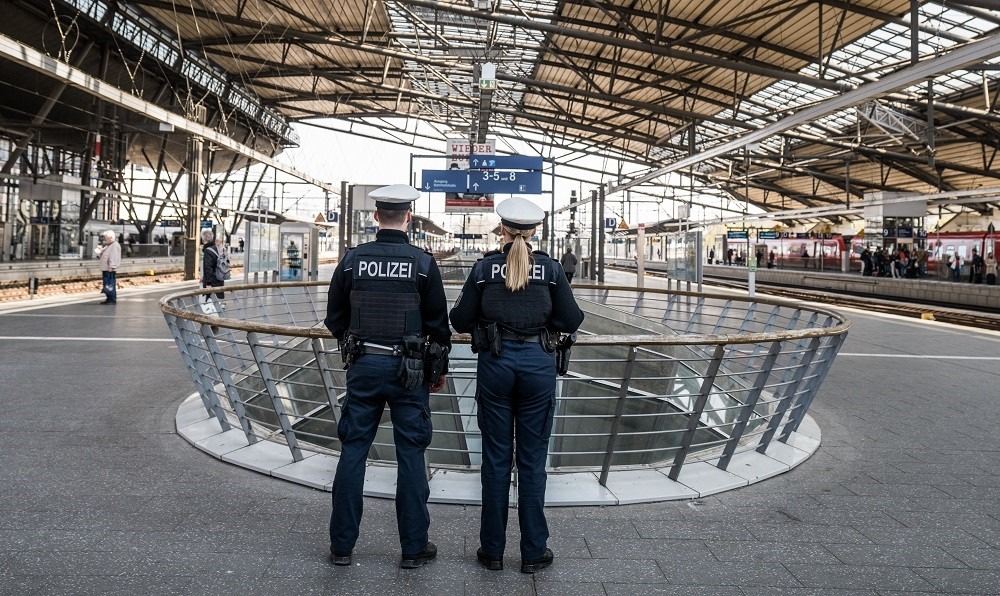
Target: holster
495,339
435,361
411,365
479,341
562,353
350,348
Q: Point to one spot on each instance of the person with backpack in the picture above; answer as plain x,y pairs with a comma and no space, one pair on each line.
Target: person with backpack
214,263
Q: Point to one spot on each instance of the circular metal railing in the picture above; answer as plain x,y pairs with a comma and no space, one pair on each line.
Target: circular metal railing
657,379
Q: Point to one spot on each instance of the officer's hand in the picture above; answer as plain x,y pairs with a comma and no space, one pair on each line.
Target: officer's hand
439,385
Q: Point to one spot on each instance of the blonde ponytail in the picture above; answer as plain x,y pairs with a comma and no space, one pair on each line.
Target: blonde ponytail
519,259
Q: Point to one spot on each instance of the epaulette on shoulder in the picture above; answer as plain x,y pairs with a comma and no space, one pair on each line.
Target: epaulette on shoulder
491,253
540,252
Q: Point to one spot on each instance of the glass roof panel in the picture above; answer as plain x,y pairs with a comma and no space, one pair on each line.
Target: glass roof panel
467,40
882,51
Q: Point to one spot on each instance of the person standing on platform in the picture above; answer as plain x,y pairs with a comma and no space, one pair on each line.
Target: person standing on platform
921,262
991,269
866,262
976,267
711,256
111,259
568,262
209,259
388,310
514,303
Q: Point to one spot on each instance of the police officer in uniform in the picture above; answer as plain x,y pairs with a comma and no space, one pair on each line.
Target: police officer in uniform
387,307
514,302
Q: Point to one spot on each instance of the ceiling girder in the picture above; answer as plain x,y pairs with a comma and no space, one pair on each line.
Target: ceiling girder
730,63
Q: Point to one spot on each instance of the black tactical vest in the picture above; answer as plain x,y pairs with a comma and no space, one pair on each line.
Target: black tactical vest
385,300
527,309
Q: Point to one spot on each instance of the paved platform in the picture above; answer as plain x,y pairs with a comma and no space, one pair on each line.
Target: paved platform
99,495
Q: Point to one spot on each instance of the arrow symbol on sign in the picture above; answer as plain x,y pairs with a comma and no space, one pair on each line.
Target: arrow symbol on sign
427,187
475,162
475,186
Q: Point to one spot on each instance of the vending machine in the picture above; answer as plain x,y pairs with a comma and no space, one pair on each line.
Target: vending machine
299,252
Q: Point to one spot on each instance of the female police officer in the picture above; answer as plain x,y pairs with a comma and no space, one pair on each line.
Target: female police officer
511,302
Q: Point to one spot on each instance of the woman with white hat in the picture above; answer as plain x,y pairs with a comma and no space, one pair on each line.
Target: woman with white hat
514,302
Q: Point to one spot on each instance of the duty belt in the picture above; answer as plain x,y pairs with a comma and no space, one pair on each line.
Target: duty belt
372,348
535,338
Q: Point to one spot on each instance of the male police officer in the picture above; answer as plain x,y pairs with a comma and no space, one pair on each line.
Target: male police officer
386,305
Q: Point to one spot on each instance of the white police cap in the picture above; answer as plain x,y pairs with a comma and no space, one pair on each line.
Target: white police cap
520,213
395,197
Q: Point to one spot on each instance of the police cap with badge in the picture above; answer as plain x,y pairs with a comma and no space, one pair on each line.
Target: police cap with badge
395,197
520,213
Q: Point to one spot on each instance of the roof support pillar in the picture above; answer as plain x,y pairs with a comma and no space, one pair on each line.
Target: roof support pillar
196,149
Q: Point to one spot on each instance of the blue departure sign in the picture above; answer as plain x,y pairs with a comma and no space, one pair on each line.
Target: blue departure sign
505,162
444,181
504,182
737,235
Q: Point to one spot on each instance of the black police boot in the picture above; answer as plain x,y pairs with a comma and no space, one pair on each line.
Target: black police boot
340,559
489,561
535,565
419,559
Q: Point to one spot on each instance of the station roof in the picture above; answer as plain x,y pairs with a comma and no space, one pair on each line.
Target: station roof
647,82
633,79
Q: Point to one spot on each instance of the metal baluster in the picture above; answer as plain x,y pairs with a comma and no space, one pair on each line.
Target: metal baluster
619,410
200,374
227,381
695,316
324,373
666,311
747,410
182,347
699,407
786,400
796,417
272,391
722,316
638,303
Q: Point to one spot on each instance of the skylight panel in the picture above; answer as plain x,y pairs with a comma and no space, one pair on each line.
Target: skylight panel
468,39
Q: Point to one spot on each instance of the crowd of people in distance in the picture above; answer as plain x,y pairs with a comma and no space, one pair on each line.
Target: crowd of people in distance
881,262
739,257
903,263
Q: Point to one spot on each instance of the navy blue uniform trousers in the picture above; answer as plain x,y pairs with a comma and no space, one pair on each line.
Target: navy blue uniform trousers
516,397
371,384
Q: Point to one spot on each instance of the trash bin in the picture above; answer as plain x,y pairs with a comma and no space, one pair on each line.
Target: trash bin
585,267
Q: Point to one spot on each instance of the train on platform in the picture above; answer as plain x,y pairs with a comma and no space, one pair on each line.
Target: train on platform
835,252
828,253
